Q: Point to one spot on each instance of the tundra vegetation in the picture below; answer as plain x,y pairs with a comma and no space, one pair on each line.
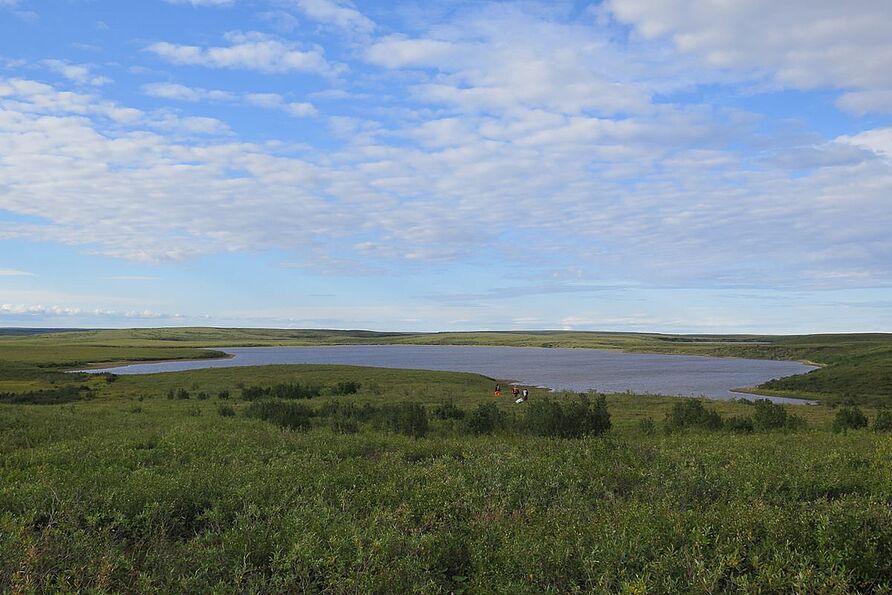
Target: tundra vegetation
350,479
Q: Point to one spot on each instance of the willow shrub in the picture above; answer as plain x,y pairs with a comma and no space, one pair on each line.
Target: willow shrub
569,418
849,418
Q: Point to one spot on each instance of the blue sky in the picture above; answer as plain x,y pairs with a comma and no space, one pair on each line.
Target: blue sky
637,165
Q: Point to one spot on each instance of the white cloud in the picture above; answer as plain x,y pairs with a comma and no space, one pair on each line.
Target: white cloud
302,109
802,44
184,93
79,73
337,14
878,140
862,102
526,140
250,51
54,311
197,94
501,58
14,273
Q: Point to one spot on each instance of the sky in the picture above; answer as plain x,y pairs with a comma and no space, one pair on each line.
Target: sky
696,166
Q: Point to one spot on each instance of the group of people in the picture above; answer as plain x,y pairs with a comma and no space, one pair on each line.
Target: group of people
519,395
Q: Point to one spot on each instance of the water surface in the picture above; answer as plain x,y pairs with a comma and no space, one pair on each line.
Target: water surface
554,368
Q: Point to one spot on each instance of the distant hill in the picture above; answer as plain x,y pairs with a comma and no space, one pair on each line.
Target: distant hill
20,332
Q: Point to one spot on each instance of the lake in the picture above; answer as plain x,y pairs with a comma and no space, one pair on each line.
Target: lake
553,368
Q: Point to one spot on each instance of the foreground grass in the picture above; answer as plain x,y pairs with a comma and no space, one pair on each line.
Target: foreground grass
133,491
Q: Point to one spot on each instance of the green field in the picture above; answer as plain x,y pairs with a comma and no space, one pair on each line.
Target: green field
223,480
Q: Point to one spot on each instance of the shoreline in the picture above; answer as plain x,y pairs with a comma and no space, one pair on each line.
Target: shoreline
135,362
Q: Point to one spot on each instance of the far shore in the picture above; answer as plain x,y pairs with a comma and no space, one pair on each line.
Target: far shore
132,362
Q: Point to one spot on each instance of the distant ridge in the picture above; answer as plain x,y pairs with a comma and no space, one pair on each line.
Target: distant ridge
15,331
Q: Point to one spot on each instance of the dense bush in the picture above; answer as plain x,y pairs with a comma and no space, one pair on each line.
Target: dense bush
294,416
349,410
485,419
226,411
448,410
223,394
849,418
405,418
344,425
690,413
292,390
182,394
647,426
771,416
54,396
883,421
345,388
739,423
571,418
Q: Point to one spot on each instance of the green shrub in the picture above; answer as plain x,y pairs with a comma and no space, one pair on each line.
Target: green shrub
344,425
485,419
569,419
647,426
203,396
349,410
182,394
738,423
405,418
883,421
294,390
690,413
849,418
345,388
223,394
448,410
771,416
226,411
56,396
293,416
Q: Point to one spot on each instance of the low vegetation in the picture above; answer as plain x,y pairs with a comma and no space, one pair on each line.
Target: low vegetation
233,480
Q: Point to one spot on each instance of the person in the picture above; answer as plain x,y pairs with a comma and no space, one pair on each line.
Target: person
526,394
498,390
514,391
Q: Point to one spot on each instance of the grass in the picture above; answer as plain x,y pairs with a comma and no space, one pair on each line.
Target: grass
108,484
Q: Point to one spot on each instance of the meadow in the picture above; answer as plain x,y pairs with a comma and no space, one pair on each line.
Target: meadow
352,480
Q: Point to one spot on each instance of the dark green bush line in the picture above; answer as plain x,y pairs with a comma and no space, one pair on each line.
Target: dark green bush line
767,416
572,418
296,390
293,416
56,396
293,390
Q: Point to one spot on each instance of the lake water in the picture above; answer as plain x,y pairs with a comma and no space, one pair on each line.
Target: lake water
558,369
